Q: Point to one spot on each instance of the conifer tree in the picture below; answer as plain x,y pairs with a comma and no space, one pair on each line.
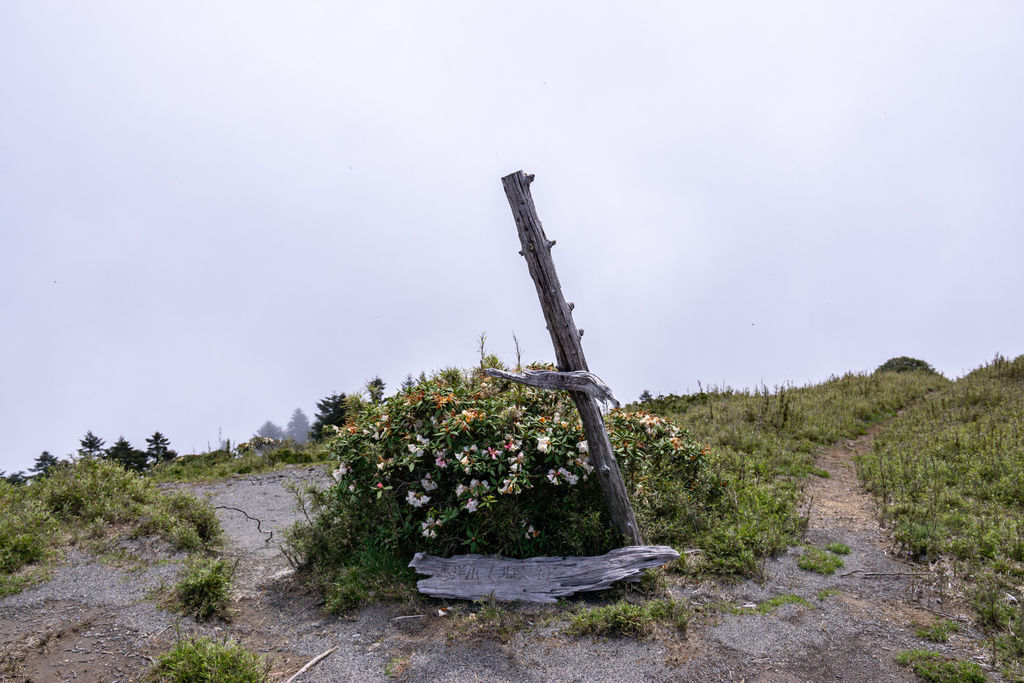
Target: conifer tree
332,410
375,388
269,430
90,445
158,448
16,478
408,383
298,427
127,455
44,463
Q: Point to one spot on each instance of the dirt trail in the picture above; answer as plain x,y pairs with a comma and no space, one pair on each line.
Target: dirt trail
97,622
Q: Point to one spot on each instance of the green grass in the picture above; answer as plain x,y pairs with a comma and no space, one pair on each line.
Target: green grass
204,587
838,548
197,660
763,445
627,619
949,478
222,464
771,604
827,593
92,502
935,668
817,560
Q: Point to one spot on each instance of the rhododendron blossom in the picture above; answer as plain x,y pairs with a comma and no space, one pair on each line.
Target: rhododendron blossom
417,499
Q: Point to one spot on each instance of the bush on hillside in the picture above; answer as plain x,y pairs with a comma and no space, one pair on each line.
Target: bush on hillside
905,364
463,462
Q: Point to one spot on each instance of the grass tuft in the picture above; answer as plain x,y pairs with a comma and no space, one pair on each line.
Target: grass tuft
627,619
202,659
935,668
939,631
817,560
838,548
204,588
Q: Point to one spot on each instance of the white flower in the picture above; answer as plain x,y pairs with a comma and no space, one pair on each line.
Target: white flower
543,444
460,489
430,527
352,488
506,486
342,470
417,499
428,483
471,504
583,447
532,532
553,477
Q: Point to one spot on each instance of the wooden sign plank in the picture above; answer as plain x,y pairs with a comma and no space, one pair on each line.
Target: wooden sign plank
535,579
568,351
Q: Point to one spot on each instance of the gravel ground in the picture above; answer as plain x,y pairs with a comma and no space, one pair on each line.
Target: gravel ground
97,622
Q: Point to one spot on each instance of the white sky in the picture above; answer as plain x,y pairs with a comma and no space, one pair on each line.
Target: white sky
212,213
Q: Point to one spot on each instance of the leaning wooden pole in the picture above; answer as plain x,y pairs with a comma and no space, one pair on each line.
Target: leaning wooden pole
568,350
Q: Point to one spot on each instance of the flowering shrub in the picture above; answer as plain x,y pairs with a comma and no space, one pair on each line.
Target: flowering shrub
457,463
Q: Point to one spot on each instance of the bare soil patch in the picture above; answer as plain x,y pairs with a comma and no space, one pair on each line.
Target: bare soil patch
99,622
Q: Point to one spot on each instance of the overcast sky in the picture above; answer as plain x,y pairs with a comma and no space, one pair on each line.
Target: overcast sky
214,213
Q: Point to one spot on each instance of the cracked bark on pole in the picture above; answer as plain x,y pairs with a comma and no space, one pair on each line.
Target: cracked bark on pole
568,350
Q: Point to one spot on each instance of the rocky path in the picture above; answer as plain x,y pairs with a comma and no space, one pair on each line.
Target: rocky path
95,621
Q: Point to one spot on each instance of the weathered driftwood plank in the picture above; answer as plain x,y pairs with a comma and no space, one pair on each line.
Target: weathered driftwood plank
568,350
536,579
578,380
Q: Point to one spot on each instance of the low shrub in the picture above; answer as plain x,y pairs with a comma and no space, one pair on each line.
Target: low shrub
26,527
905,364
466,463
93,499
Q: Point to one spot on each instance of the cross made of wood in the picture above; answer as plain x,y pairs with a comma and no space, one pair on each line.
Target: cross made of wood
573,375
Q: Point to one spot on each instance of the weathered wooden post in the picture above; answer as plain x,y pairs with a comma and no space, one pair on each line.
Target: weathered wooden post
568,350
545,579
